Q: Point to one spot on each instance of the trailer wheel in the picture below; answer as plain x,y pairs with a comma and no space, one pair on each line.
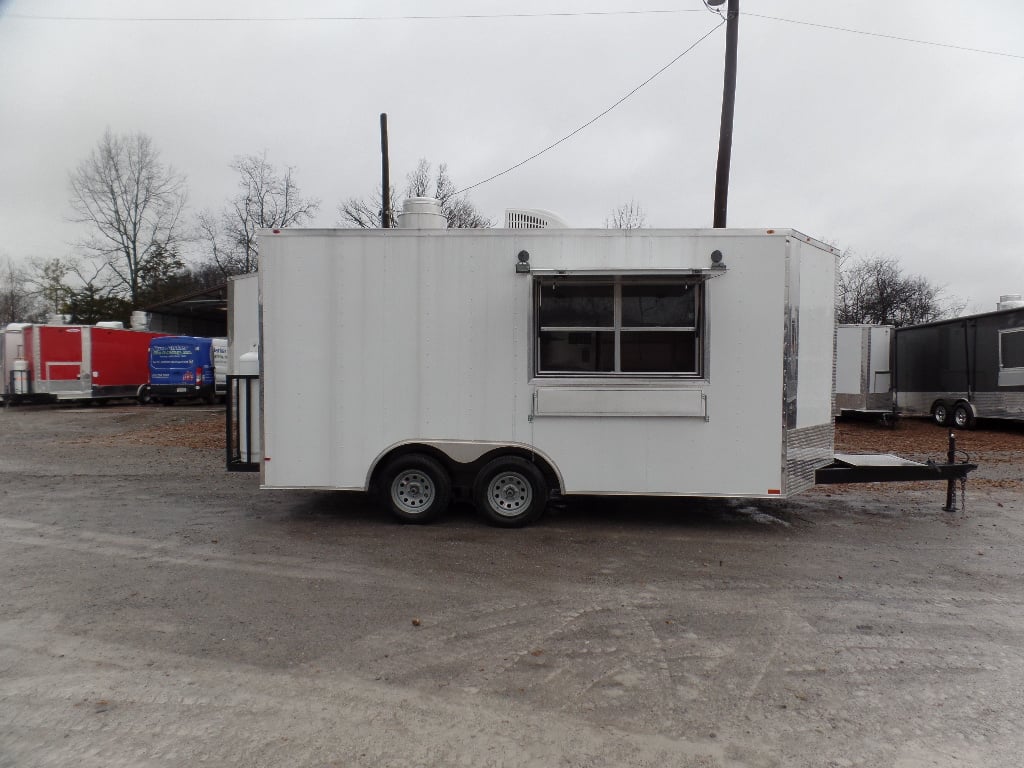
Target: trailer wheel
510,492
940,414
415,488
145,395
963,416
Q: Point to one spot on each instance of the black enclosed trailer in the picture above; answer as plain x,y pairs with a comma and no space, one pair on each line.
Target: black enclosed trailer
963,369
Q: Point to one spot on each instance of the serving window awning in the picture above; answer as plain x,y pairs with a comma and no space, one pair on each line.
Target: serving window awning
640,272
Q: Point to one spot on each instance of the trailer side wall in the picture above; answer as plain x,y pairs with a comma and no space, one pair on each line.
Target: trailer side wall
373,339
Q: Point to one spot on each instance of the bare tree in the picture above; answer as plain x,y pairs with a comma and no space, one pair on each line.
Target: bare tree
365,212
48,281
875,290
17,303
95,297
133,203
457,209
266,200
627,216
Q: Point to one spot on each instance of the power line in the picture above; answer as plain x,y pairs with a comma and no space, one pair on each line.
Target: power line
490,16
886,36
593,120
463,16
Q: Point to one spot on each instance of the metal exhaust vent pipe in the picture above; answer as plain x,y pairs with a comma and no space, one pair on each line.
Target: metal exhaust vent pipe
1010,301
422,213
140,320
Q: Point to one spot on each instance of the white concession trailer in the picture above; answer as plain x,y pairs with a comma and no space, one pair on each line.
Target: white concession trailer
519,364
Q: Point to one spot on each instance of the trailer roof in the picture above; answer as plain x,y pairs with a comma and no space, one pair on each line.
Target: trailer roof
962,318
543,232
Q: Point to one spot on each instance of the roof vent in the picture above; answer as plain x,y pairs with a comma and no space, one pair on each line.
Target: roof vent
422,213
533,218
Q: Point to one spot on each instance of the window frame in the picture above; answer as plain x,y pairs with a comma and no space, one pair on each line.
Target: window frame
1004,332
617,281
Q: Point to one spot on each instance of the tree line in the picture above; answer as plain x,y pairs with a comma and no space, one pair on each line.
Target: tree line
139,247
136,241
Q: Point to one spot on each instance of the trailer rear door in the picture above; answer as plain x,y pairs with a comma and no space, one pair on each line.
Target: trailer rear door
60,353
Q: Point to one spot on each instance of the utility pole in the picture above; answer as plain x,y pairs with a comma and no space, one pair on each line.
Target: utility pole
728,107
385,175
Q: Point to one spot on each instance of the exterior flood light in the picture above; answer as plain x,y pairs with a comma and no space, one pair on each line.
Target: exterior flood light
523,266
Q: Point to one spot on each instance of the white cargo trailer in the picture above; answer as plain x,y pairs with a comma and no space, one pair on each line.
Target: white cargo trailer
864,370
521,363
243,317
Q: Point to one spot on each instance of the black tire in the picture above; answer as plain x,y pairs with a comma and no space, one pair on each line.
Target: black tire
963,417
415,488
510,492
940,414
145,396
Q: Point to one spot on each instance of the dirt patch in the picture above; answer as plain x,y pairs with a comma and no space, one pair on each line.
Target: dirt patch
916,436
996,447
204,432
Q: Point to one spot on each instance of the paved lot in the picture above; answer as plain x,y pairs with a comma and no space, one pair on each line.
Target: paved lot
157,611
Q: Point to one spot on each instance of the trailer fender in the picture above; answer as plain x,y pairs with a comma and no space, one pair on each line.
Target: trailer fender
466,457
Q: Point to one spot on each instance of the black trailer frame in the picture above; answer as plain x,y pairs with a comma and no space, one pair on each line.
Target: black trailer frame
887,468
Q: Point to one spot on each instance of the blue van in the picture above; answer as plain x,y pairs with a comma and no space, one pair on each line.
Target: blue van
183,367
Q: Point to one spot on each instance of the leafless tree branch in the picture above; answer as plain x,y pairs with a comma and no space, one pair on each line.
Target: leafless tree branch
875,291
265,200
132,204
627,216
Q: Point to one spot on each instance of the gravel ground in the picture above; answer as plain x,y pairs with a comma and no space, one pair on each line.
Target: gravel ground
158,611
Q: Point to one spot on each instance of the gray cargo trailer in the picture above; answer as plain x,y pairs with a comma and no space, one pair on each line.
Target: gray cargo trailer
963,369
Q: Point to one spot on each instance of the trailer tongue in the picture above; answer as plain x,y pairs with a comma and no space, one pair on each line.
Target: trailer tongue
887,468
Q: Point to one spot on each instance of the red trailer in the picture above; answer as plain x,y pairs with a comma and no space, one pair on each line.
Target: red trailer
75,362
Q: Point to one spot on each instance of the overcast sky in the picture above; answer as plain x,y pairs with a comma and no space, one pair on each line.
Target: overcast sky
879,145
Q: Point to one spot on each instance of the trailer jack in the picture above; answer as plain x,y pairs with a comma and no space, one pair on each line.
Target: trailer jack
951,482
887,468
